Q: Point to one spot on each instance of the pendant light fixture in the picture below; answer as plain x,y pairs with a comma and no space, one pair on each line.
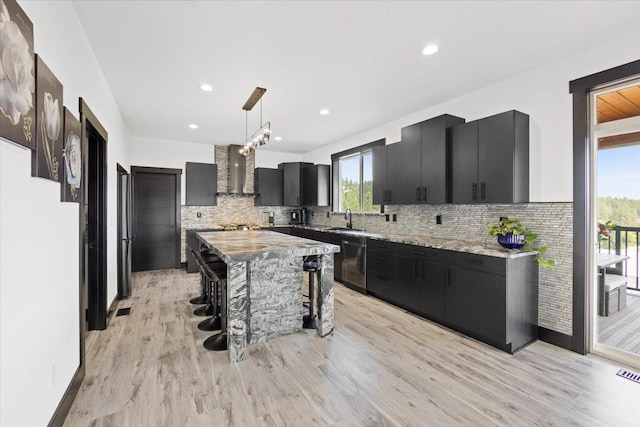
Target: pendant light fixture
262,135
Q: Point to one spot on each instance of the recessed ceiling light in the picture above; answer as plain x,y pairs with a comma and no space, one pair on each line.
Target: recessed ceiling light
206,87
278,138
193,126
430,49
324,112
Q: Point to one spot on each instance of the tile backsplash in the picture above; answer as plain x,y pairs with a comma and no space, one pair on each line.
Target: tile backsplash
552,221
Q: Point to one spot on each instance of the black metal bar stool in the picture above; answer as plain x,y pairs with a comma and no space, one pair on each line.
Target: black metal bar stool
218,342
208,257
218,273
311,265
220,267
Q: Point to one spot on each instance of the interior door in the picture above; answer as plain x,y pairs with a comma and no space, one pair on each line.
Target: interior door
156,232
124,233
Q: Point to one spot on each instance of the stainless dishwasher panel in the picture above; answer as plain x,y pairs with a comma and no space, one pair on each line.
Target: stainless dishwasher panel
354,256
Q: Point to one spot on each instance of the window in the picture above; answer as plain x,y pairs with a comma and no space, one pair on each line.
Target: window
353,179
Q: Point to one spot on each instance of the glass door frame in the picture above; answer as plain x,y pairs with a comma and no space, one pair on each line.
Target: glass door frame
600,130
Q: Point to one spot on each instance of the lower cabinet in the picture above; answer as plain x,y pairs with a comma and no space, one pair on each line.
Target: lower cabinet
492,299
381,270
333,238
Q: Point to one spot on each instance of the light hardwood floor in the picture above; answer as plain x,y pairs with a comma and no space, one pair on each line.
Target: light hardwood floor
382,367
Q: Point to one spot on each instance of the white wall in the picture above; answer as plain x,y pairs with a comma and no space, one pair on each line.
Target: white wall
160,153
543,93
39,259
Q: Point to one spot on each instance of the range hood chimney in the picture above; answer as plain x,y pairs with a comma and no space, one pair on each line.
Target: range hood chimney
235,171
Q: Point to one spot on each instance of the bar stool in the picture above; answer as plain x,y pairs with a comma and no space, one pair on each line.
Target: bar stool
214,323
220,267
210,257
218,342
311,265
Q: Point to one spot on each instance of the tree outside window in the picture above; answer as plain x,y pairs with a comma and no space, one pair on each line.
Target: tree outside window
356,182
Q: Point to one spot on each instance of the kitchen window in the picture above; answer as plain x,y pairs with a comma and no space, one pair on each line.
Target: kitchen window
353,179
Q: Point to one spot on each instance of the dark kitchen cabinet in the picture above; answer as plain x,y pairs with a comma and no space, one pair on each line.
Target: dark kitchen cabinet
493,299
402,164
332,238
316,185
292,182
421,280
434,137
418,165
201,184
490,160
382,269
381,191
268,185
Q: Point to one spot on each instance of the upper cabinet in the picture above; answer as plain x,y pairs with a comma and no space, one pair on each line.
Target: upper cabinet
202,184
292,182
268,187
381,192
315,185
415,170
490,160
305,184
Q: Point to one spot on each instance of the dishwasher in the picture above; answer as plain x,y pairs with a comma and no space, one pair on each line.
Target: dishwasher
354,256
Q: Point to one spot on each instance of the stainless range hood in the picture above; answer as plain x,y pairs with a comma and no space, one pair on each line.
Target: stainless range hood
235,171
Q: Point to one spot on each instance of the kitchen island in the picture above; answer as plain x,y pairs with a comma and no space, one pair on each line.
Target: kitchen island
264,285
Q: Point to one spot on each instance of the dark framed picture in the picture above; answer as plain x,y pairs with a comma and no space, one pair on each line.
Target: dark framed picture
47,157
17,76
71,159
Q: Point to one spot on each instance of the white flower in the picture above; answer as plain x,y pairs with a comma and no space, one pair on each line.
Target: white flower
17,81
51,117
73,160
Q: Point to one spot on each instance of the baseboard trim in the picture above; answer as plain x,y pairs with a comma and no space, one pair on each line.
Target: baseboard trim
60,415
554,337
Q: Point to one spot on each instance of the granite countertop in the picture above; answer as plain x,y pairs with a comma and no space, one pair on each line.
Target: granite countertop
492,249
242,246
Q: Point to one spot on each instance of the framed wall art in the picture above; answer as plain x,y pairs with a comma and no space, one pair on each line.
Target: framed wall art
71,159
17,76
47,157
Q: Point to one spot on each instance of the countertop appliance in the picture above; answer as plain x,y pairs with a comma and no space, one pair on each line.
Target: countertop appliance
354,256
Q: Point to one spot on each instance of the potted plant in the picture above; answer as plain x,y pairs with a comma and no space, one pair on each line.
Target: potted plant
605,229
513,234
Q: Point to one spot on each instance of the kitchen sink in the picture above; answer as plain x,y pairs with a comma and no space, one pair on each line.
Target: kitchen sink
352,232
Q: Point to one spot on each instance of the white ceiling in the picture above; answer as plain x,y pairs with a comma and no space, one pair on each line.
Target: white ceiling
360,59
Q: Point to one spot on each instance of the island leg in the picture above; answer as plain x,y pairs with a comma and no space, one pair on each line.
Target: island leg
237,305
325,295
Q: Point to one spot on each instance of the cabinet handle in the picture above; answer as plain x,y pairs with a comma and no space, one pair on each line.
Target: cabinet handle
417,252
379,257
474,191
474,261
483,188
424,194
384,279
417,194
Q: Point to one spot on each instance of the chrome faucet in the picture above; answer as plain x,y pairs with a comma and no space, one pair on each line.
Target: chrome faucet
347,216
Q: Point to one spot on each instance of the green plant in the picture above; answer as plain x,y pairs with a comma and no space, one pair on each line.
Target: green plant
506,225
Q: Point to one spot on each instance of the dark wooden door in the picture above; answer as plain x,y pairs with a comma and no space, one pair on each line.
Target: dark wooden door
464,163
156,228
475,301
495,158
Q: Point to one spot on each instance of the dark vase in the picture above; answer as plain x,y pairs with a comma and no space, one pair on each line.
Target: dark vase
511,241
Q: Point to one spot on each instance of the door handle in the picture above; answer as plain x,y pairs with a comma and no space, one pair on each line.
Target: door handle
424,194
474,191
483,187
417,194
